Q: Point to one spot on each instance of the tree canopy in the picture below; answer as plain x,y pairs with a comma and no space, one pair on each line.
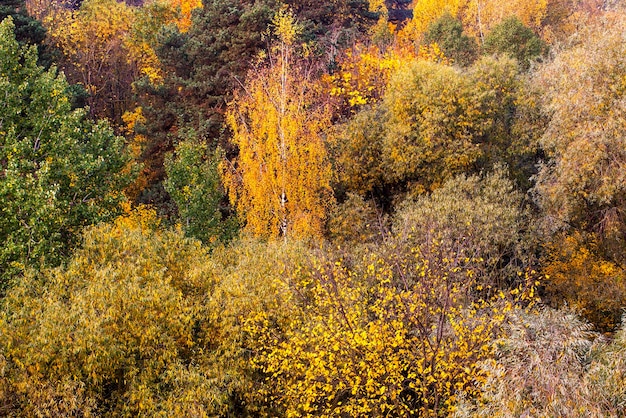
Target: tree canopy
60,170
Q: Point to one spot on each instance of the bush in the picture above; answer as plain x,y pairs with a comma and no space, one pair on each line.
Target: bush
124,330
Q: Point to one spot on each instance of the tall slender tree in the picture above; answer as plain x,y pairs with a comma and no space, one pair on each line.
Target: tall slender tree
280,182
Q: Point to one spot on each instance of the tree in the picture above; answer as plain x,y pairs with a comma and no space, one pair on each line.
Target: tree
426,13
201,68
193,181
539,369
511,117
481,216
447,33
60,172
436,121
583,184
123,330
279,182
378,336
332,23
432,127
512,37
92,41
581,188
479,17
28,30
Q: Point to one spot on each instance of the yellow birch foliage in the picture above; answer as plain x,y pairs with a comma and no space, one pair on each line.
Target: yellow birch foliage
107,45
280,181
365,343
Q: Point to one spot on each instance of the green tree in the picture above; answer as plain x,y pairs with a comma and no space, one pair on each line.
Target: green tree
193,181
447,32
512,37
60,171
28,30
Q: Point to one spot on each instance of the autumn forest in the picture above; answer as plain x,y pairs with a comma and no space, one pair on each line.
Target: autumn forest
313,208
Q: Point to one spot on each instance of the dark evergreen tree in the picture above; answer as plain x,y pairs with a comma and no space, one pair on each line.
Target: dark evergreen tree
447,32
28,31
203,67
513,38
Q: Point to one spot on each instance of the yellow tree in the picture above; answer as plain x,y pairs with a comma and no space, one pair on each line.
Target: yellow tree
94,52
425,12
279,182
478,16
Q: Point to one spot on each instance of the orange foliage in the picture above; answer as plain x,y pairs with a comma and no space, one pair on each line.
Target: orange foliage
365,71
478,16
577,275
280,182
185,8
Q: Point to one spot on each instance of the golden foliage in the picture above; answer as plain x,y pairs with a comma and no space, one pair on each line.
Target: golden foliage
92,40
433,124
578,276
478,16
123,330
364,343
363,75
364,72
280,180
